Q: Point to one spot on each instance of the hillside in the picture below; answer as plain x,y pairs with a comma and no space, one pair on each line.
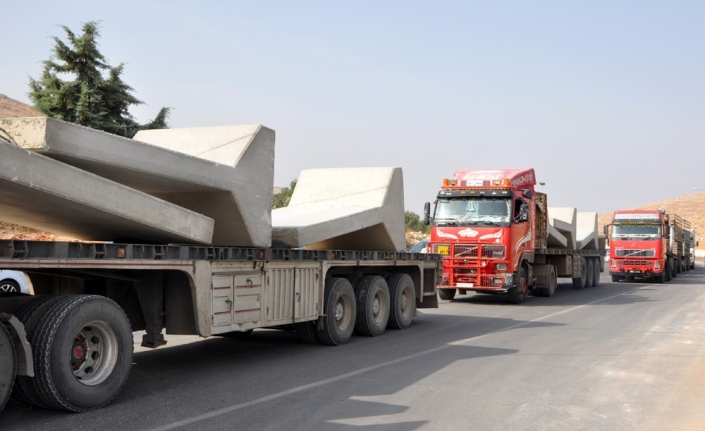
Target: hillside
14,108
691,207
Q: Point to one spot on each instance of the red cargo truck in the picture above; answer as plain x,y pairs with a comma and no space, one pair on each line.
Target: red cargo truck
492,228
647,244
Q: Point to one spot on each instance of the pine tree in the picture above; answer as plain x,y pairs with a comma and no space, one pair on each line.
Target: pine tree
91,99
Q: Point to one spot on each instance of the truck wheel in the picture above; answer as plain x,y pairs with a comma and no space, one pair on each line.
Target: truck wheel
355,280
307,332
402,297
82,352
9,286
9,365
236,334
579,282
517,294
616,278
336,326
590,273
659,279
551,283
674,270
596,272
372,306
447,294
667,273
30,315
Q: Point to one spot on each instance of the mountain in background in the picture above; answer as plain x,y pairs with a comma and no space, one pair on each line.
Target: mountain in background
14,108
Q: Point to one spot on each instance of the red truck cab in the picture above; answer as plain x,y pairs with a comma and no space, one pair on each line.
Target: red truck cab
482,224
639,245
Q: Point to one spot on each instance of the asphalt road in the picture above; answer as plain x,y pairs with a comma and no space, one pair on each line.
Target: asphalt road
614,357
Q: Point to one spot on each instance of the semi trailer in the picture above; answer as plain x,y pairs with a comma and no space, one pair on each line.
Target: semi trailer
648,244
498,236
175,235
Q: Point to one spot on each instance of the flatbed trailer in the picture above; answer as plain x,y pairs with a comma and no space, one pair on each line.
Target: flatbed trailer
72,340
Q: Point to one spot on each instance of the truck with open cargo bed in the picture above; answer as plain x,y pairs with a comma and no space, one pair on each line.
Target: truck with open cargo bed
208,255
498,236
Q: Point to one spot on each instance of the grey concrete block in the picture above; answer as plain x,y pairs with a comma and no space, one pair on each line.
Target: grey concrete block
225,173
564,220
46,194
586,231
344,209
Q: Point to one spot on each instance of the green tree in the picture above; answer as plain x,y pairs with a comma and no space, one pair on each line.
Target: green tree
282,198
414,223
96,97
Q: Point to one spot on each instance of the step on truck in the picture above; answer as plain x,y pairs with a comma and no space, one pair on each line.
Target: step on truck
648,244
498,236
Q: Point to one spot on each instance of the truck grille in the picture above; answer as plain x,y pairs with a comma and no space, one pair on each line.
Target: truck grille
472,251
635,253
637,262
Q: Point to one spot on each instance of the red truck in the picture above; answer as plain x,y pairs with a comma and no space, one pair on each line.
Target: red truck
649,244
494,232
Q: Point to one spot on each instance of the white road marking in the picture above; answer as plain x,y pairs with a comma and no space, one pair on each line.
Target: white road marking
302,388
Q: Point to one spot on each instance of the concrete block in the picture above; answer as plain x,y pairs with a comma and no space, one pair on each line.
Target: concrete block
564,220
556,238
46,194
586,232
225,173
344,209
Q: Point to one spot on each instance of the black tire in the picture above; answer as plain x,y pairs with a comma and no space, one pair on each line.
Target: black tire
372,306
579,282
517,294
307,332
679,267
402,296
8,369
30,315
596,272
668,273
339,309
355,280
93,327
590,272
447,294
674,270
616,278
9,286
551,283
659,279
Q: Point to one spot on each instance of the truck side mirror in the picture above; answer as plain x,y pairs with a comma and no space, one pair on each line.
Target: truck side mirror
427,213
524,212
528,194
668,229
606,229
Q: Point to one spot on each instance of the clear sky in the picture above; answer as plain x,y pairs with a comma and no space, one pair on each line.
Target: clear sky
606,100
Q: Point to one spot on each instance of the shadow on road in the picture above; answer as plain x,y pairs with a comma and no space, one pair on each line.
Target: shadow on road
174,383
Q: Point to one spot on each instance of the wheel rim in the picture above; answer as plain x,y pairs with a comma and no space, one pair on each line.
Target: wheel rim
94,353
523,285
8,288
405,303
379,304
343,315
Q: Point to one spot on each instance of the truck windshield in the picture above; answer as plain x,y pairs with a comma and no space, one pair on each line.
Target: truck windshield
473,211
636,231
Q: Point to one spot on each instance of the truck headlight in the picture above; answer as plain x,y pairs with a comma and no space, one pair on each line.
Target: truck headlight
501,267
614,264
657,265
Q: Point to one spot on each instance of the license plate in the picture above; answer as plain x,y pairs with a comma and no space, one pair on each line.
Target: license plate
443,249
466,284
635,271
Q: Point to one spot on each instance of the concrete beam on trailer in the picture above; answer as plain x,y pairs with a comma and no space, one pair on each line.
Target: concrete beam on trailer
344,209
586,232
225,173
564,220
46,194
